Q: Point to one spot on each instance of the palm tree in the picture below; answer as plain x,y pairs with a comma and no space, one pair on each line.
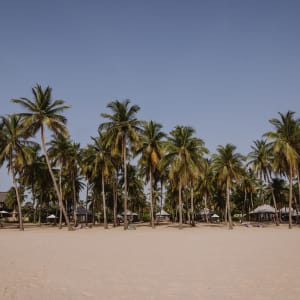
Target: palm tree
248,186
16,150
206,185
151,152
137,198
44,112
184,156
86,166
59,154
102,163
31,175
228,167
286,144
122,129
72,165
261,160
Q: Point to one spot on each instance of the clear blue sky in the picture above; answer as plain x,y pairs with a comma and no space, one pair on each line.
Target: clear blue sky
223,67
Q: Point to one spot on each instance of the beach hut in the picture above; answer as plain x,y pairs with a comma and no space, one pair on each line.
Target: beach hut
3,215
131,216
83,215
215,218
262,213
284,213
162,216
52,219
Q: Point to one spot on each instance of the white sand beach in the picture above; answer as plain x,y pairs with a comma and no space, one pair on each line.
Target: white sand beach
165,263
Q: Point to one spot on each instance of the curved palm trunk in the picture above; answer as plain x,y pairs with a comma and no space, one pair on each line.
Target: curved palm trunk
125,183
180,204
274,201
290,197
275,206
53,179
104,203
151,198
21,227
228,205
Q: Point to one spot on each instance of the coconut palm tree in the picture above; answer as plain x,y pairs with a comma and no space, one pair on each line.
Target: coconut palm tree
206,185
151,152
73,167
16,150
228,168
102,162
286,144
43,112
123,129
261,161
31,175
137,199
59,154
86,166
248,186
184,156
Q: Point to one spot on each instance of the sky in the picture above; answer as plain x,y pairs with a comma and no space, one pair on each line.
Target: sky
222,67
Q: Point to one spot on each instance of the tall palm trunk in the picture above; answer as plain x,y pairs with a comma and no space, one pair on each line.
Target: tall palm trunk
21,227
93,210
275,206
33,203
54,180
86,202
228,205
161,194
226,211
151,198
290,197
61,195
180,204
205,207
298,202
115,196
274,201
104,202
244,204
74,199
125,183
192,206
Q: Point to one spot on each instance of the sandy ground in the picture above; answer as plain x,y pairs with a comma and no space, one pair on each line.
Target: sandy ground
205,262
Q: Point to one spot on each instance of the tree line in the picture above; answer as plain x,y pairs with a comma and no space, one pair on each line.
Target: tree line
130,156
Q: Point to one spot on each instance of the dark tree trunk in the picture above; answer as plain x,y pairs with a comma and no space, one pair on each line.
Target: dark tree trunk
125,183
115,196
151,199
290,197
180,204
228,206
104,203
21,227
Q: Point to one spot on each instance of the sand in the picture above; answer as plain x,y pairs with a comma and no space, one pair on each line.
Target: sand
206,262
